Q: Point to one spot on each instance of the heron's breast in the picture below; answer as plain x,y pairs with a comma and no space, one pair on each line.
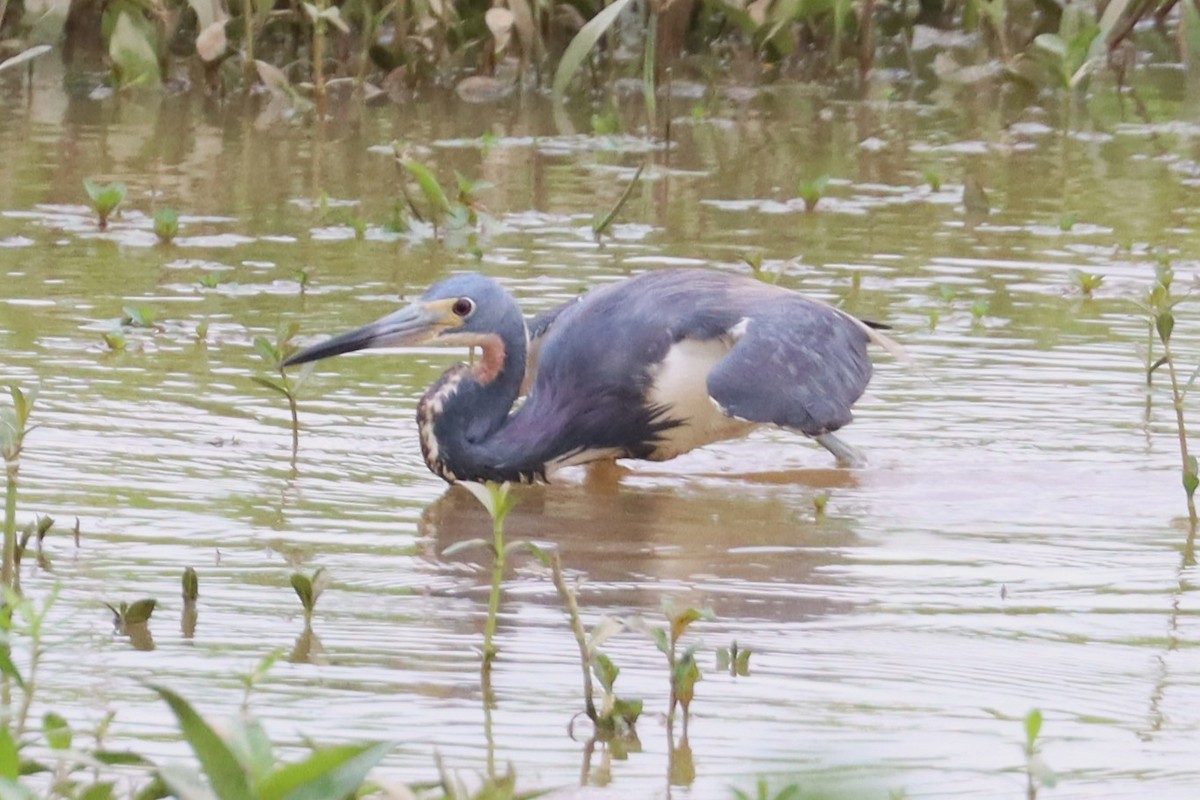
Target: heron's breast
679,383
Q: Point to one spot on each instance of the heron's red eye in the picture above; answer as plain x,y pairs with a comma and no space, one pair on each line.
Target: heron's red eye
463,307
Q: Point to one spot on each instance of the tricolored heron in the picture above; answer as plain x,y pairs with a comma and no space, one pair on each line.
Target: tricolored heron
648,368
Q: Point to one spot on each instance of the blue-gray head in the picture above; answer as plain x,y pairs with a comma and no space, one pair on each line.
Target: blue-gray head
468,310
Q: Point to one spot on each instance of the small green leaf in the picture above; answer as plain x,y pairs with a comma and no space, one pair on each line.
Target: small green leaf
121,758
684,678
97,791
1165,323
139,612
10,756
267,351
56,730
191,585
660,640
304,590
274,386
7,667
681,621
606,671
1190,482
812,191
166,224
115,341
138,316
741,664
1033,727
434,195
627,710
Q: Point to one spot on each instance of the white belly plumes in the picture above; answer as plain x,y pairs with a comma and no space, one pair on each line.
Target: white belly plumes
680,384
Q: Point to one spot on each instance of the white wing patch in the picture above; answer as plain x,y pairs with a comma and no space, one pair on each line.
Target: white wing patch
680,385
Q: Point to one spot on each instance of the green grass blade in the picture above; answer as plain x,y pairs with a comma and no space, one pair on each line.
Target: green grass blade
434,194
579,48
217,759
601,225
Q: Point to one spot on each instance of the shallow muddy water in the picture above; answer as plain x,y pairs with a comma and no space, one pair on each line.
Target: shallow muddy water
1014,543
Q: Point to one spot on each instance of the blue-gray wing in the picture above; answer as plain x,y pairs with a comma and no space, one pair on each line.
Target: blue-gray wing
798,363
539,328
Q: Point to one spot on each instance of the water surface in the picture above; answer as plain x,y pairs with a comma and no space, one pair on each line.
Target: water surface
1014,543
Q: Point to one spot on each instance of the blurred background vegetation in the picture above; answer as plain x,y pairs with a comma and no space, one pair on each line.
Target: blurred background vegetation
300,52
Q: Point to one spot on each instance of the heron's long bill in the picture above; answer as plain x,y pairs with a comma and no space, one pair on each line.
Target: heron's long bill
411,325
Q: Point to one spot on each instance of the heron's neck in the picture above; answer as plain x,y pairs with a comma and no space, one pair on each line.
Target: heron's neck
462,413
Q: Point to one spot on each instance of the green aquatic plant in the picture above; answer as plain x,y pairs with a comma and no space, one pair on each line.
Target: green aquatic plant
933,178
498,501
115,341
138,317
287,384
34,531
437,204
166,224
237,762
14,427
601,223
309,589
190,592
1087,283
812,191
820,503
105,199
135,613
734,660
614,715
1066,222
209,280
1037,773
1159,305
979,308
682,667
